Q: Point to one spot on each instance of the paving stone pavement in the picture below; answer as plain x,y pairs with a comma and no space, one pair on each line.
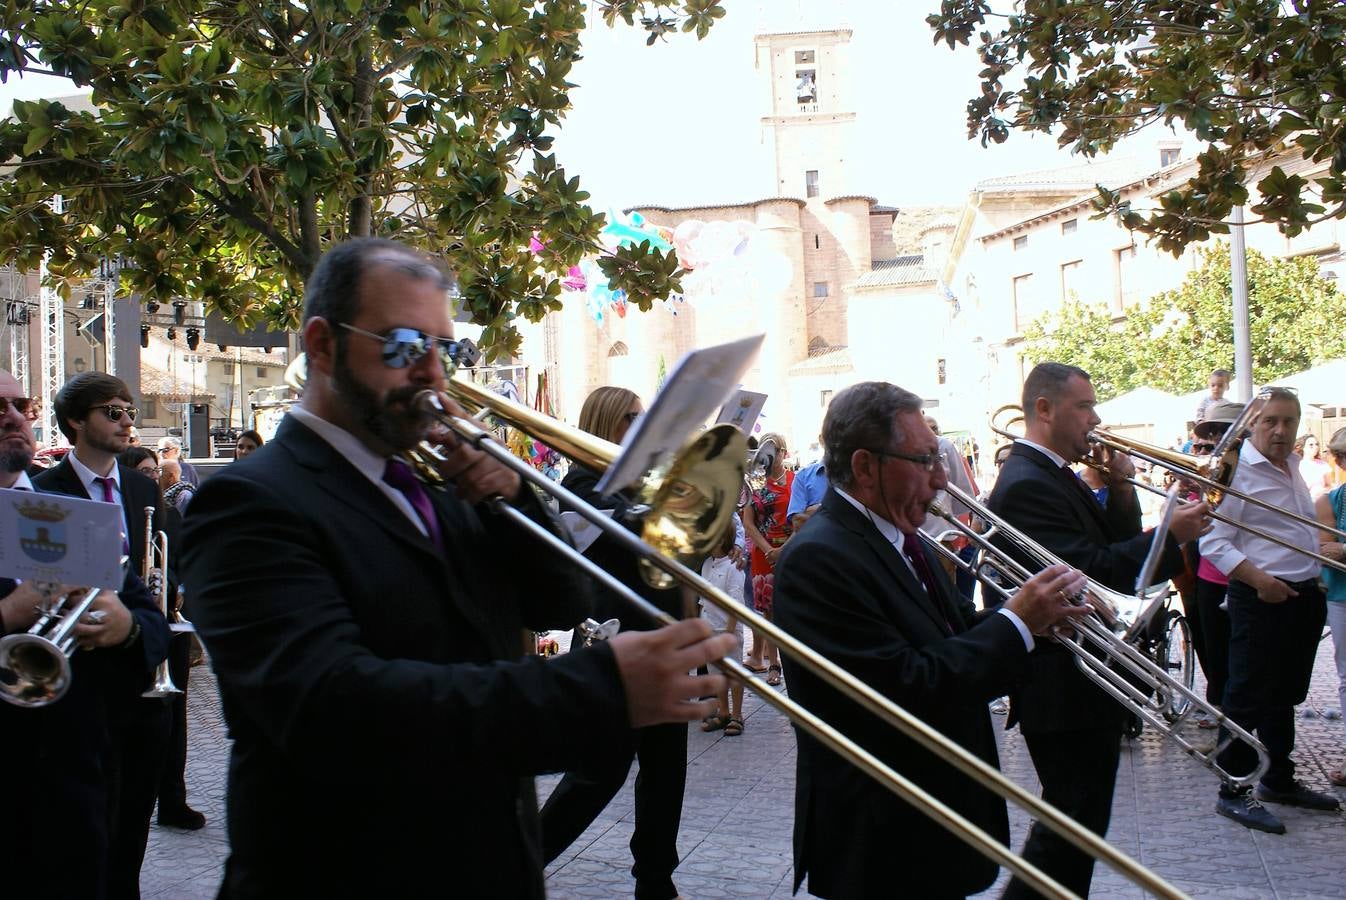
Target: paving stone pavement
736,824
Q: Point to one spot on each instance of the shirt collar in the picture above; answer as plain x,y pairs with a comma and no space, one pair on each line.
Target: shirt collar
890,532
23,483
87,476
1250,454
343,442
1050,454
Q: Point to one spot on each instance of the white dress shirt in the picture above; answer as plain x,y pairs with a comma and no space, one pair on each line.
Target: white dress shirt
894,536
1050,454
88,476
369,464
1226,546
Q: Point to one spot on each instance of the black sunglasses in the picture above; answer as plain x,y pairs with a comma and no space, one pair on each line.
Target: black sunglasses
1202,448
404,347
926,460
24,406
115,413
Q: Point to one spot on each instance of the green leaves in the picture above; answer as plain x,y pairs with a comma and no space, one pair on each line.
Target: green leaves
1250,79
1173,340
233,143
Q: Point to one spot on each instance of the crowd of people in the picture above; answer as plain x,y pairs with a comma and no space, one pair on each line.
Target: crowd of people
385,714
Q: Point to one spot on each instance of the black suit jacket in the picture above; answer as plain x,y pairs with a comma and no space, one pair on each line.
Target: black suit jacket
56,758
138,492
843,589
1051,506
384,724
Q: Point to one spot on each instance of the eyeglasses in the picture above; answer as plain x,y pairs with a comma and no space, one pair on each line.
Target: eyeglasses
24,406
1203,448
115,413
927,461
404,347
631,417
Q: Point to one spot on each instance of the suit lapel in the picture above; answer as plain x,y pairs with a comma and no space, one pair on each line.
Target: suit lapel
335,476
1076,492
856,522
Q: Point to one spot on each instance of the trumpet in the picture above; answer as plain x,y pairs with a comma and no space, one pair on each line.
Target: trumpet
696,501
35,665
155,575
1130,677
1212,474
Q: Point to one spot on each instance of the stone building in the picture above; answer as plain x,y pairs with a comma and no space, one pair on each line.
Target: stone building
835,296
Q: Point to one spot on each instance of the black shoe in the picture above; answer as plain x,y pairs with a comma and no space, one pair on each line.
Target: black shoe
184,817
1298,795
1249,812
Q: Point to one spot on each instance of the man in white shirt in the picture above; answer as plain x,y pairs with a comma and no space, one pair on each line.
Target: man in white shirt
1276,615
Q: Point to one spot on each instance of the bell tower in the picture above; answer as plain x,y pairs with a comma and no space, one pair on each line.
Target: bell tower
808,129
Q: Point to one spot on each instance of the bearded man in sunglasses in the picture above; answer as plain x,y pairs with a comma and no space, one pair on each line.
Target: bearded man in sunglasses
366,627
95,412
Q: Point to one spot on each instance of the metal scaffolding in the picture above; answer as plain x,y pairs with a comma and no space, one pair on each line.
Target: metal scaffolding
53,345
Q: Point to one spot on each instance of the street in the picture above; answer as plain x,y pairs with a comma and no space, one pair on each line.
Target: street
738,814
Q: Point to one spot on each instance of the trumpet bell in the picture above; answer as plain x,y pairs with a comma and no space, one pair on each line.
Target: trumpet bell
33,671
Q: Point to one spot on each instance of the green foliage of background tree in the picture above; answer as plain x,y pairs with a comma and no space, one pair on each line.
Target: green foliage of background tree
1174,340
234,141
1249,78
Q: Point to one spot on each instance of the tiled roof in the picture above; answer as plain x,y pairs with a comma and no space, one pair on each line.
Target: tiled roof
904,270
156,383
655,207
835,360
1080,177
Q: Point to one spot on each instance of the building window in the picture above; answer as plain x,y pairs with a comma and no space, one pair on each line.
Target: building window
151,408
825,397
1070,280
229,368
1020,242
820,288
1027,305
1069,226
1124,277
261,371
804,57
806,86
811,183
941,371
817,243
1168,156
618,349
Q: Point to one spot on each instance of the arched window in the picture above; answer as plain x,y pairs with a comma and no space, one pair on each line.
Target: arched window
818,346
618,349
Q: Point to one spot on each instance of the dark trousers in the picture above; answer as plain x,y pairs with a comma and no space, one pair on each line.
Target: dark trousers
1078,770
172,781
581,796
1272,647
1210,637
139,738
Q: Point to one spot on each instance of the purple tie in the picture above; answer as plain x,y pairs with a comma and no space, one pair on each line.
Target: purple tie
107,489
915,554
106,484
399,475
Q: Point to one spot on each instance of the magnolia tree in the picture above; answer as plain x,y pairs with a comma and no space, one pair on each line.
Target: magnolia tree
232,142
1249,78
1174,340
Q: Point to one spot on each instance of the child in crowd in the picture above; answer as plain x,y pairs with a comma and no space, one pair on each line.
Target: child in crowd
721,571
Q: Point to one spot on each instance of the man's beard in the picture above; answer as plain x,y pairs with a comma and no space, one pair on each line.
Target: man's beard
114,445
16,460
392,419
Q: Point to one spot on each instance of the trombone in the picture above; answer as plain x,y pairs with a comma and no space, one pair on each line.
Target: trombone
35,665
693,490
155,576
1130,677
1213,474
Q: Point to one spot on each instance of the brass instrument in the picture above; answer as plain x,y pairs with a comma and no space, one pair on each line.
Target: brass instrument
35,665
1130,677
565,439
154,573
1212,474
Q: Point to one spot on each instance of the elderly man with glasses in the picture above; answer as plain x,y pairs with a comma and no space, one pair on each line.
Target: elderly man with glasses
857,584
170,448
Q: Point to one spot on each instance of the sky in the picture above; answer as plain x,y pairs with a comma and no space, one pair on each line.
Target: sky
678,123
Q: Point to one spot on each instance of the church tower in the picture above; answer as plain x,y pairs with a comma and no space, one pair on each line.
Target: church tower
808,128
